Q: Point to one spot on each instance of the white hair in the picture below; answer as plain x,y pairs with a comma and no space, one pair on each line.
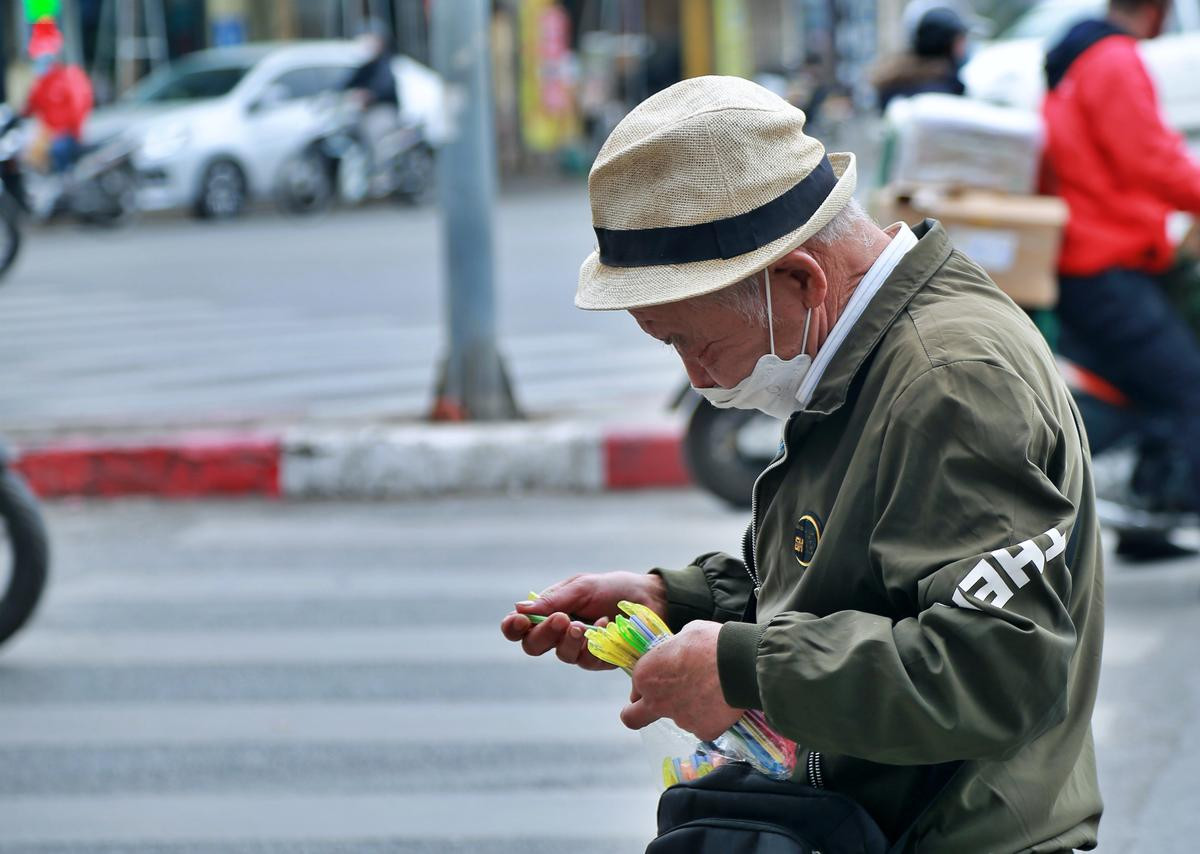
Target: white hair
748,297
846,224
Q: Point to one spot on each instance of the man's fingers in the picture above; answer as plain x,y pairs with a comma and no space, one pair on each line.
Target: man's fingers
546,636
573,644
567,639
514,627
638,714
561,596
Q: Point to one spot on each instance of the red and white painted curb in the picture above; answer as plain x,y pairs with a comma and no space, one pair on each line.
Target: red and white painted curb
375,462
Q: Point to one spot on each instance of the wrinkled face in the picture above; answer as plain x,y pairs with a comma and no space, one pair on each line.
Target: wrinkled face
718,345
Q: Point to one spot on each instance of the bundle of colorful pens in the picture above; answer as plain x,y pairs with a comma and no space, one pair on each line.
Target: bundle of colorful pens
688,768
623,641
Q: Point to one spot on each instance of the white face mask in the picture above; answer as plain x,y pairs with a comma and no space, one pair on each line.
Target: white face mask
772,386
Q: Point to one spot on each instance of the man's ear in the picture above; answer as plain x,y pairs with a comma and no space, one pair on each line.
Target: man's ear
800,270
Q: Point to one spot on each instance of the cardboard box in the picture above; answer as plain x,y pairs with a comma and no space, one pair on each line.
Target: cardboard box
1014,238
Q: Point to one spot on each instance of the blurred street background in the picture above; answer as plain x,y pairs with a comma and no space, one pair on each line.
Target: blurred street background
237,250
270,319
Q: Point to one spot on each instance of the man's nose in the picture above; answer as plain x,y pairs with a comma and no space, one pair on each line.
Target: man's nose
697,375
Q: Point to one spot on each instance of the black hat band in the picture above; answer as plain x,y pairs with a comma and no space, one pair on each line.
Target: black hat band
722,238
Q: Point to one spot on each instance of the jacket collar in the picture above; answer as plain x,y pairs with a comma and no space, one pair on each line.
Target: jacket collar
911,274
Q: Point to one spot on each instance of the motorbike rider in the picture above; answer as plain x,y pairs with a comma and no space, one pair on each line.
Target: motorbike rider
61,98
1121,171
373,86
937,48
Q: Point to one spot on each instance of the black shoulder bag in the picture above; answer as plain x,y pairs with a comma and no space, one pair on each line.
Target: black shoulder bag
736,810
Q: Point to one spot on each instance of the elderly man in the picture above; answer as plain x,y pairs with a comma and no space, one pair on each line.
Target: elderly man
921,577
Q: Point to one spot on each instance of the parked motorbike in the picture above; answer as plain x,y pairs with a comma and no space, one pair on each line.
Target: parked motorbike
346,165
100,189
11,194
10,230
24,551
726,449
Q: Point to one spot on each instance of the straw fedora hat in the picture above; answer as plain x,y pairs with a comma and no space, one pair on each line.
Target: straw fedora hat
701,186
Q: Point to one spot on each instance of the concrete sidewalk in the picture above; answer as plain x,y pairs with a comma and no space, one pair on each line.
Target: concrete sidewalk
362,461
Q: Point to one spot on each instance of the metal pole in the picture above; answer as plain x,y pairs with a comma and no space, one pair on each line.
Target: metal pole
473,384
71,33
4,20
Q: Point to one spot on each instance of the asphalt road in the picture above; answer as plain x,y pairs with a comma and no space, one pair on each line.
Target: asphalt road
319,678
172,321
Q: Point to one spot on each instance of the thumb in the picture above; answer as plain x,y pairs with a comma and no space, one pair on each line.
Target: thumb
560,597
638,714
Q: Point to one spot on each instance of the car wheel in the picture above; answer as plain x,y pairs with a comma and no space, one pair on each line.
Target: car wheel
222,191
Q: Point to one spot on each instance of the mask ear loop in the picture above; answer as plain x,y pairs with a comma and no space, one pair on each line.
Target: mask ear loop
770,313
770,324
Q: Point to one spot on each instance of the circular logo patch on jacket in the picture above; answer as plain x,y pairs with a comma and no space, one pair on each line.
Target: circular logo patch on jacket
808,537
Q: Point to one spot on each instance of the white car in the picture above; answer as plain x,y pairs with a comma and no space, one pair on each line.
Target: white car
1010,69
213,129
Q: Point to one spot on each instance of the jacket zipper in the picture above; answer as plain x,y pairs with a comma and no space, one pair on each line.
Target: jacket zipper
750,538
816,771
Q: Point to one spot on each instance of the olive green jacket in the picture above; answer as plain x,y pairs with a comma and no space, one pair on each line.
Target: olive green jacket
930,568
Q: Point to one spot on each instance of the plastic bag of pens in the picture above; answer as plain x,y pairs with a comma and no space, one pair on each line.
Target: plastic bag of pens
622,642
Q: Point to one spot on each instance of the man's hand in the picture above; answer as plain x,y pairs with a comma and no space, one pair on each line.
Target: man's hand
588,598
679,680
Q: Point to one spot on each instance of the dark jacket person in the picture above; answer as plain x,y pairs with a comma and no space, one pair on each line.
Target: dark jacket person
936,50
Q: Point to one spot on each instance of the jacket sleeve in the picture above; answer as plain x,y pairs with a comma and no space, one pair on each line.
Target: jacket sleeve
1123,110
970,539
714,586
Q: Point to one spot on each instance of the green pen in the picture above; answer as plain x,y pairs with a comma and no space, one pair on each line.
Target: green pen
537,618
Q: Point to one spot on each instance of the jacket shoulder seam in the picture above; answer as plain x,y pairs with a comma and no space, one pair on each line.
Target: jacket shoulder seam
920,339
936,366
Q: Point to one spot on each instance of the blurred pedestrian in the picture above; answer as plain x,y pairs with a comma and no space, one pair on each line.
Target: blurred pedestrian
936,50
61,97
1121,171
920,583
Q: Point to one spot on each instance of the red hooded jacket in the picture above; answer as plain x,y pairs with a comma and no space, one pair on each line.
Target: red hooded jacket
1110,156
62,99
